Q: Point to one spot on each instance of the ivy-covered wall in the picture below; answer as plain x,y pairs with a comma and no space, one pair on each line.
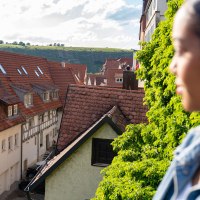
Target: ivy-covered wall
145,150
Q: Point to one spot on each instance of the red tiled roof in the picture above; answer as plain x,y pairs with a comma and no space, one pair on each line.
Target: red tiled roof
86,104
62,77
113,117
22,72
97,79
79,70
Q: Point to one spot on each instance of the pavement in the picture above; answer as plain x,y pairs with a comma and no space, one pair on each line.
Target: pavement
20,195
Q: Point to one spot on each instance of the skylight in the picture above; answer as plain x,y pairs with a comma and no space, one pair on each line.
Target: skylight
40,70
24,70
36,73
2,69
19,71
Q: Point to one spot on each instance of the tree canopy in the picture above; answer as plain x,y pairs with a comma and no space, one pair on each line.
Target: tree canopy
145,150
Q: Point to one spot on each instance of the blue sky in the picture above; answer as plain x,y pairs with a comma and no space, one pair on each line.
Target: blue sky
86,23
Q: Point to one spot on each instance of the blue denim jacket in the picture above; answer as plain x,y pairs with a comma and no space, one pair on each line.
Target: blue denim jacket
185,163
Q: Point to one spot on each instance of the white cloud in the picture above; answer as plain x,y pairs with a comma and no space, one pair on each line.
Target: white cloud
73,22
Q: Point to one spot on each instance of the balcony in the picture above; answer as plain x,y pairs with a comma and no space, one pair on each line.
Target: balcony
27,134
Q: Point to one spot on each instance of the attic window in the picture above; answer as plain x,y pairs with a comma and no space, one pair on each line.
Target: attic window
54,94
2,69
40,70
28,100
19,71
24,70
36,73
46,96
102,152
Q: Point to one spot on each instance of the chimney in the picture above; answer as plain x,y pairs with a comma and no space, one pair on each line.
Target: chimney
129,81
63,64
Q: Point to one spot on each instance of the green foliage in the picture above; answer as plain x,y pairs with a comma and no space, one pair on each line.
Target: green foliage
92,57
145,150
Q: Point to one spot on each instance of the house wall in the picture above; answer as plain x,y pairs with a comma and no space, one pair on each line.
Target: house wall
10,159
32,151
76,178
155,13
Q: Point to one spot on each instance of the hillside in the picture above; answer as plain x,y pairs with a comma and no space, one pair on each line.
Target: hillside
92,57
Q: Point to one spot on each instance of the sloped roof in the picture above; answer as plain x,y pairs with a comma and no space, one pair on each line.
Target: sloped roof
97,79
62,77
86,104
18,74
79,70
113,117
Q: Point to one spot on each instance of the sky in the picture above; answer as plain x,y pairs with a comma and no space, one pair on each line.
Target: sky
77,23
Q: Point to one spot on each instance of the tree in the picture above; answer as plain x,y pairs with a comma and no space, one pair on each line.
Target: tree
145,150
1,42
21,43
15,43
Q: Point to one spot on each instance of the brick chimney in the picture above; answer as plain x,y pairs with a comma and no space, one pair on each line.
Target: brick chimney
129,81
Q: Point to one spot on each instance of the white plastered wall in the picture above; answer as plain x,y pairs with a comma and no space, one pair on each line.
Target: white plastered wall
76,178
10,159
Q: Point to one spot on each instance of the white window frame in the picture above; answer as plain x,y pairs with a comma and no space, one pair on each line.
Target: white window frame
3,145
28,99
10,143
16,140
55,94
46,96
15,109
10,112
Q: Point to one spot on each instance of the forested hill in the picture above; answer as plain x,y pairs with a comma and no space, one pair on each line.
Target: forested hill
92,57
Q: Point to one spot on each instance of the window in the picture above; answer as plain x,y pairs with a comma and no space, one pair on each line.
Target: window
40,70
9,111
36,73
46,96
16,140
15,110
54,132
41,118
54,112
54,94
41,139
31,123
28,100
24,70
102,152
118,80
2,69
3,145
10,143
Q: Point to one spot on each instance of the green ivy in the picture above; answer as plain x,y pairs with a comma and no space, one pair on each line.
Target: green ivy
145,150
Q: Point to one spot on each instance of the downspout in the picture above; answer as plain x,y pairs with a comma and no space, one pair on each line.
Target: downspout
21,149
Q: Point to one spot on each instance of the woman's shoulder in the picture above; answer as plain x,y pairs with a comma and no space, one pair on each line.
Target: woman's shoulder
193,136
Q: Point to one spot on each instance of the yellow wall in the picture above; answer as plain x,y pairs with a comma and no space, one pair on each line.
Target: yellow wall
76,179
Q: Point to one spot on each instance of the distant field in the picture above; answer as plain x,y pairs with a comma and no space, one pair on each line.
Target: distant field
92,57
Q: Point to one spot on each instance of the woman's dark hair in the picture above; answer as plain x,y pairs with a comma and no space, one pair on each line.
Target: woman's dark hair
192,8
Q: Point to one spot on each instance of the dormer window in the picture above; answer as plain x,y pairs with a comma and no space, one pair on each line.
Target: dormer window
54,94
10,111
46,96
15,109
28,100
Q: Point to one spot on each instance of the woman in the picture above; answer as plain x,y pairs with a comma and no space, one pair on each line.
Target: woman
182,180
